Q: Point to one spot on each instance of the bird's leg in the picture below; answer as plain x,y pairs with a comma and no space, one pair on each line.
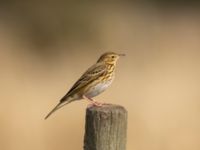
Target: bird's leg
92,101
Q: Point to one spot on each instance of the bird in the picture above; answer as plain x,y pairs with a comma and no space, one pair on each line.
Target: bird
93,82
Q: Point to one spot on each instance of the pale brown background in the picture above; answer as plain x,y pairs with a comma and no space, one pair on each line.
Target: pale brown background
45,46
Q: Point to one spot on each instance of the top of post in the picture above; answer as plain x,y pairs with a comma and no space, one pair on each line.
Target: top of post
106,108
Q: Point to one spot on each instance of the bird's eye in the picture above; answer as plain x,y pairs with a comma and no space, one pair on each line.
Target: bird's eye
113,56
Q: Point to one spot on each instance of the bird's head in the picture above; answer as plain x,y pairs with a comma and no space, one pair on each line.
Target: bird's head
110,57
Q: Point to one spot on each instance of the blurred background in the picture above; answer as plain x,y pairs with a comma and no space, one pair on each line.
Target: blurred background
46,45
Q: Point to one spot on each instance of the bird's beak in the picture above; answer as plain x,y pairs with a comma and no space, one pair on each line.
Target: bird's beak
122,55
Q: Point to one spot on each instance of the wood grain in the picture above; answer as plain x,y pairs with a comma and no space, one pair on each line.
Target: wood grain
105,128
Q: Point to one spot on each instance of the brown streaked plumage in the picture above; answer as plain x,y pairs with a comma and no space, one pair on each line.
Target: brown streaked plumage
93,82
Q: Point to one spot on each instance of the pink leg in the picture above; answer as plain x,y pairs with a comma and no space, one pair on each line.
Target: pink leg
92,101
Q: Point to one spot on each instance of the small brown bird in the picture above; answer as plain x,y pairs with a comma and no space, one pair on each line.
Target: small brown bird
93,82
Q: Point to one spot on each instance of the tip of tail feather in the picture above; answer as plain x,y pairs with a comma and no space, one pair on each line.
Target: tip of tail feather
52,111
58,106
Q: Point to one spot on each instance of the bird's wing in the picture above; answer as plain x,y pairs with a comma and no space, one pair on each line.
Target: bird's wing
89,76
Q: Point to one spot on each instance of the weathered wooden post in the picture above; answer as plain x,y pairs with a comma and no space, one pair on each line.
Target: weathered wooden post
105,128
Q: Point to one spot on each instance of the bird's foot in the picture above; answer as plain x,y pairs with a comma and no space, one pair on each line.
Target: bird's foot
94,103
98,104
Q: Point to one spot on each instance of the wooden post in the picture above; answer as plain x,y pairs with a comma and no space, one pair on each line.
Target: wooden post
105,128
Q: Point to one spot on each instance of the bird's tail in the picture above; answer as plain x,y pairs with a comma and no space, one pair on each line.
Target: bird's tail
58,106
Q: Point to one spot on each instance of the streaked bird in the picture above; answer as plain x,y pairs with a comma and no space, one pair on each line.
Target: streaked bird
93,82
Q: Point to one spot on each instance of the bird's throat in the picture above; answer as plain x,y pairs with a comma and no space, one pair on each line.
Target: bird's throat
110,67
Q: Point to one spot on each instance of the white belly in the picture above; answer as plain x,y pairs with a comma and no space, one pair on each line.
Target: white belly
99,88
